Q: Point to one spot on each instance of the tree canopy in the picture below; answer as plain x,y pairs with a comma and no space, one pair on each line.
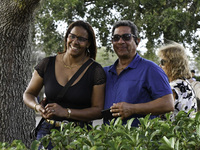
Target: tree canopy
158,21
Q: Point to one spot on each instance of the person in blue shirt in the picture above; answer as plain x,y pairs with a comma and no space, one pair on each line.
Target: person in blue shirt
135,86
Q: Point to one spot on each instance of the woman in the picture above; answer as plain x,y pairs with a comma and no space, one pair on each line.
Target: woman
174,62
84,99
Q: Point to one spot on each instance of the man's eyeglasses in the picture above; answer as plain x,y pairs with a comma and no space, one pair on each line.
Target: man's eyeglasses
79,38
125,37
163,62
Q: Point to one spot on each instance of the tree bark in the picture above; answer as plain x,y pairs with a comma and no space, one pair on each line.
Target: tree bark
16,120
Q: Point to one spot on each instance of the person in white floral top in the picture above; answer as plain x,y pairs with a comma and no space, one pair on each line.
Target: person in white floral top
175,63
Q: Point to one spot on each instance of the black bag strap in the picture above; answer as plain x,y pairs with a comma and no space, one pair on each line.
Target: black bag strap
75,76
64,90
39,124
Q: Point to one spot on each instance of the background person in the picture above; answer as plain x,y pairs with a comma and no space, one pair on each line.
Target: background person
135,86
174,62
193,75
84,100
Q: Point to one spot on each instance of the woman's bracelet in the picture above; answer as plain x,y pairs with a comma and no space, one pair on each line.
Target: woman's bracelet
35,107
69,112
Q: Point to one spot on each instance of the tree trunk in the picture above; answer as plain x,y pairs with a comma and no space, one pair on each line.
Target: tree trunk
16,120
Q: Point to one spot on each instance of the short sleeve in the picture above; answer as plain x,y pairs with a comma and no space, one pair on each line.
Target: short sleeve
99,75
158,82
42,66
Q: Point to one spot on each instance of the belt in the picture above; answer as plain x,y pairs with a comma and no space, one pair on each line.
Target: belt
56,123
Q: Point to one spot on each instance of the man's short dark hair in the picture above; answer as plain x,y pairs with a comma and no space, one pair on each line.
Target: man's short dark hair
193,71
134,29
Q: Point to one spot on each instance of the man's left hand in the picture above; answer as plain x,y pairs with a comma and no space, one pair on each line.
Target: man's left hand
121,109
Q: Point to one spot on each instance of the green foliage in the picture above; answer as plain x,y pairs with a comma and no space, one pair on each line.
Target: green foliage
15,145
151,55
197,61
46,35
105,58
168,18
182,134
197,78
52,13
159,21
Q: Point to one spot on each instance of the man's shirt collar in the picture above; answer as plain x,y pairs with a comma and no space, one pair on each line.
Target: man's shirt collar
133,64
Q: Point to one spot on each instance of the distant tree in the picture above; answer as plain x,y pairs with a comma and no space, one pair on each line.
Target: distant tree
16,120
197,60
159,21
105,58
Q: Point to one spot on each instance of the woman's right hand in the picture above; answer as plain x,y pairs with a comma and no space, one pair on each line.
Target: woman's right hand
40,108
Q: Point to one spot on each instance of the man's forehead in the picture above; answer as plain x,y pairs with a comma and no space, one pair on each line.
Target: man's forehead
122,29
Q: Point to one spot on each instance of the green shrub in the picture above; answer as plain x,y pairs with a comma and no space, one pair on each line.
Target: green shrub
182,134
15,145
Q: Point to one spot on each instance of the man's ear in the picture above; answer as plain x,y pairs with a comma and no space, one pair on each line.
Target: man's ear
137,41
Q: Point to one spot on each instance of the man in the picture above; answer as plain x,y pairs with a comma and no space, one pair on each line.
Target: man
135,86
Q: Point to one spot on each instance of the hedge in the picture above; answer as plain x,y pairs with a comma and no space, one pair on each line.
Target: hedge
155,134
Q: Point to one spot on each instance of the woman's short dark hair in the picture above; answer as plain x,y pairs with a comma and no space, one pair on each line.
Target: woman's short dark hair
134,29
91,37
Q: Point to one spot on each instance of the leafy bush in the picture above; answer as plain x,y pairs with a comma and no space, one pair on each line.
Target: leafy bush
16,144
182,134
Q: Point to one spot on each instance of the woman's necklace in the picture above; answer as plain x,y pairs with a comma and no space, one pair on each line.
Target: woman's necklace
68,66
